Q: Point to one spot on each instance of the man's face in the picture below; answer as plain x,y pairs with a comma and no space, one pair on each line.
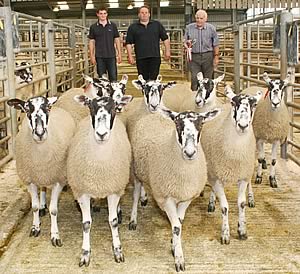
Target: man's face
201,18
102,15
144,15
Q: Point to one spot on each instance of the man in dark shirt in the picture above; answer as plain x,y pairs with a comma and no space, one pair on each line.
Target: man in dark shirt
104,41
145,35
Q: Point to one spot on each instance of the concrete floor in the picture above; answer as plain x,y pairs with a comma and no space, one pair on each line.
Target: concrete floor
273,244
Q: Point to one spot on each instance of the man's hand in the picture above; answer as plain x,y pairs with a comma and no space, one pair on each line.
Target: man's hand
167,55
216,61
130,60
93,60
119,59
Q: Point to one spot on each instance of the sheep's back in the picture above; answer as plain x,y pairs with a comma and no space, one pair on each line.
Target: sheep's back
99,170
45,164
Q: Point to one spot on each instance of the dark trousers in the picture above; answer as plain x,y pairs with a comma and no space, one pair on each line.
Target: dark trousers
148,67
201,62
107,65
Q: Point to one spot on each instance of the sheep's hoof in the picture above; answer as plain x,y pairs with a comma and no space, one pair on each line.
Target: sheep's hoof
258,179
56,242
179,264
35,232
273,182
120,218
144,202
211,207
85,258
264,164
132,225
42,212
225,239
96,208
242,235
119,257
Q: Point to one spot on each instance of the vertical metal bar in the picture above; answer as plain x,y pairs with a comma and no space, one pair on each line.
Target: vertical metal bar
86,54
49,35
73,53
249,53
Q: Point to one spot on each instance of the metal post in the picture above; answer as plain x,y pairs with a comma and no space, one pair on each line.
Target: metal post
249,53
49,35
187,12
72,43
237,58
286,17
86,55
158,10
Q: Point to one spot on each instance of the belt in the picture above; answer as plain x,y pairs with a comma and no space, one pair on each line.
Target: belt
201,53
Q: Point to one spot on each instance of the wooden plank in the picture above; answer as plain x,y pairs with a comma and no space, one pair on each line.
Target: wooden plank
211,4
288,4
204,4
255,3
239,4
217,4
295,4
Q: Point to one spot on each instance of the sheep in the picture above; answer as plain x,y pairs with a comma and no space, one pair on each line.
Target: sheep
271,124
41,153
229,146
206,97
98,166
170,161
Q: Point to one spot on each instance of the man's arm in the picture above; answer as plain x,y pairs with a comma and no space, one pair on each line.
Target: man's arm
167,49
129,54
118,47
92,51
216,56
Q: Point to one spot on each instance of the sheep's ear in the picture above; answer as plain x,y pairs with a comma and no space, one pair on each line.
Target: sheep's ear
124,79
287,79
219,79
82,99
18,104
200,76
267,78
169,85
229,92
258,95
159,78
140,83
126,99
167,112
51,100
209,115
88,78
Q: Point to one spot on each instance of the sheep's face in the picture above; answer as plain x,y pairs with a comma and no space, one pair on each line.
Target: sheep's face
152,91
23,75
206,90
37,110
188,128
97,87
119,89
276,90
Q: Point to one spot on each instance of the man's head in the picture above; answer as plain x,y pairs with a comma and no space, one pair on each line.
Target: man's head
201,18
144,13
102,13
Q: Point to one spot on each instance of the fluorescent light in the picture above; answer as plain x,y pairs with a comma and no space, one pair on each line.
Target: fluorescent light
62,3
138,4
129,7
164,3
64,7
55,9
113,5
89,5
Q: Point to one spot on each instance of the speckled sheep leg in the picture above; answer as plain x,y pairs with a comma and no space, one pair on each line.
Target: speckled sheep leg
261,156
272,177
242,231
171,210
136,196
35,229
56,190
251,202
212,202
181,209
144,196
85,205
43,202
113,201
219,191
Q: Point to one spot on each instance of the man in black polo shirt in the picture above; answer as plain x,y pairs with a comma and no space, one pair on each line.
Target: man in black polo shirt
104,38
145,35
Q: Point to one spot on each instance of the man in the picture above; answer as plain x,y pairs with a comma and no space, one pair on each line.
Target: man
145,35
104,41
204,40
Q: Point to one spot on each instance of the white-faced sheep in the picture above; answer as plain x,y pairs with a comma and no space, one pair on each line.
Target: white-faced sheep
41,154
169,159
98,166
229,146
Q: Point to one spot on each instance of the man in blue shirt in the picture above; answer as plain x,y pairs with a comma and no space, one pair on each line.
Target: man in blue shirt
205,47
104,39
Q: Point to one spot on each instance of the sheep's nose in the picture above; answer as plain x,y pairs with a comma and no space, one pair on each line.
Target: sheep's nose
102,136
190,155
242,127
275,104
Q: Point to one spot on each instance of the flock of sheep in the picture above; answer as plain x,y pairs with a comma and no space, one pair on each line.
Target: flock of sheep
170,143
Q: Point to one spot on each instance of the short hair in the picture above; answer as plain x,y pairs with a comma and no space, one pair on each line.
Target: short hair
144,7
102,8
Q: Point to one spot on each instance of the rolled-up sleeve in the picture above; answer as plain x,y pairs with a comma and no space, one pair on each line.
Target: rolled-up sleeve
91,34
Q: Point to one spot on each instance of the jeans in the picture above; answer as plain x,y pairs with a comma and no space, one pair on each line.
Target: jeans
148,67
107,65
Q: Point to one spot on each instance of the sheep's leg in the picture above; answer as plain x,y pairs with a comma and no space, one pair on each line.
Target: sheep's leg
218,188
171,210
43,204
272,177
251,202
181,209
212,202
85,205
119,213
136,196
35,229
242,231
261,157
144,196
56,190
113,201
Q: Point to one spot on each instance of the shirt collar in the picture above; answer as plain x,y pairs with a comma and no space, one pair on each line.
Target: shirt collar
204,27
150,21
108,22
